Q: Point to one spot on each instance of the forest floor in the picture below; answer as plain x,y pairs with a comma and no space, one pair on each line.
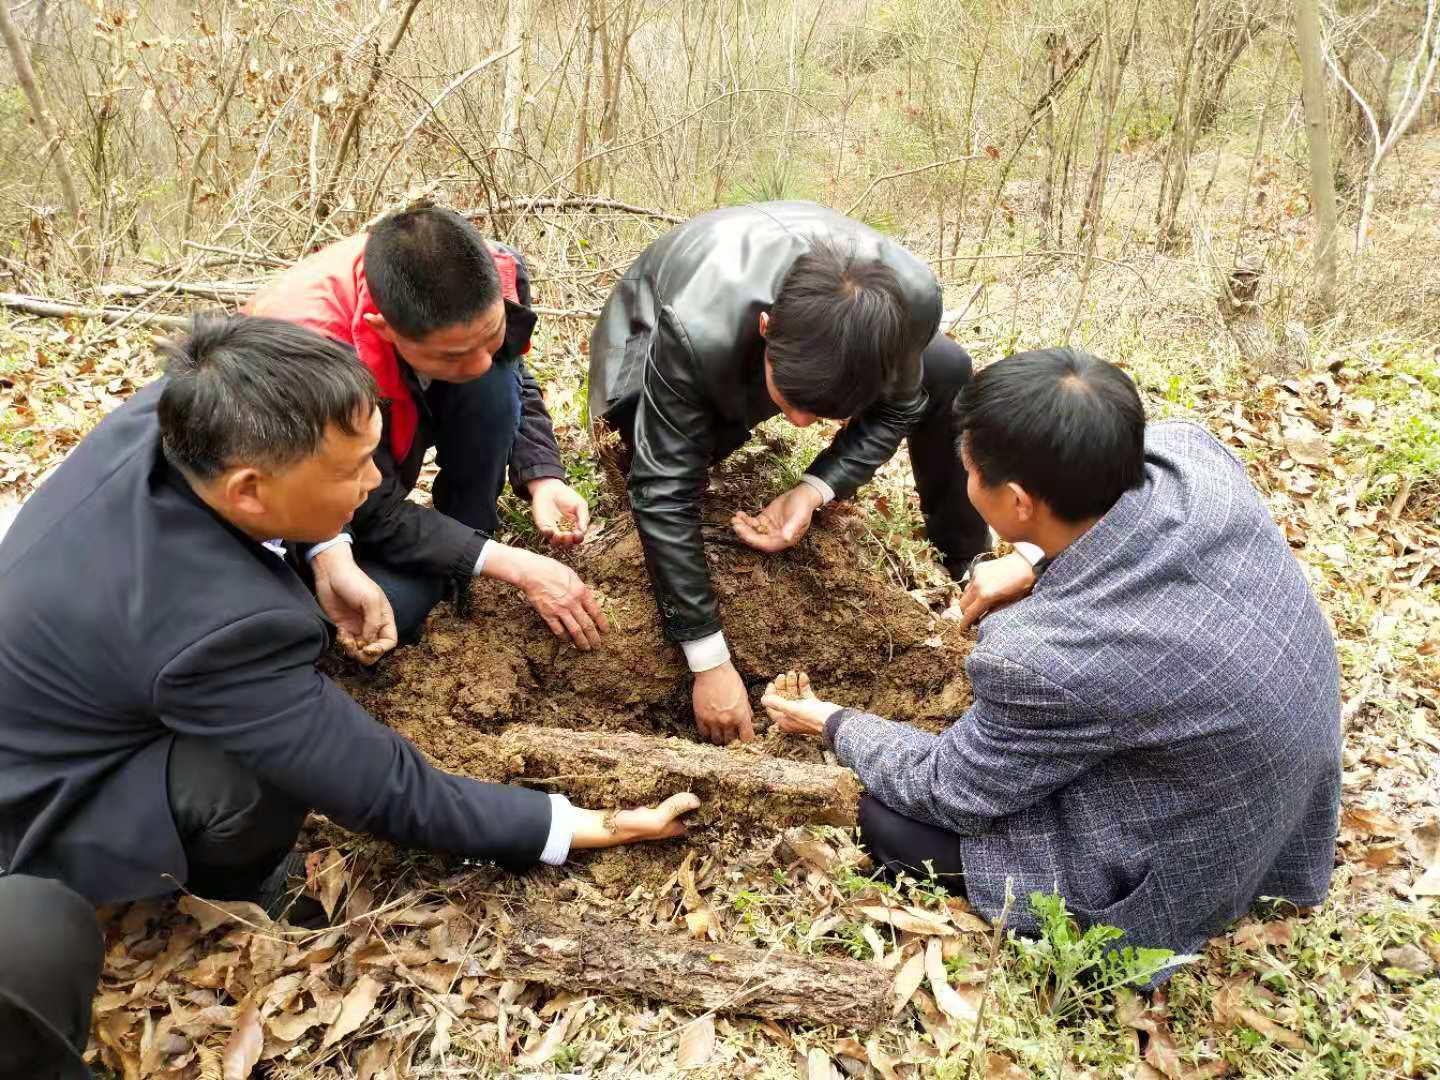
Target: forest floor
411,979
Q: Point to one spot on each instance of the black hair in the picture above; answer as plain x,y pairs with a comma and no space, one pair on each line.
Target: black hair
1066,426
429,268
247,390
837,331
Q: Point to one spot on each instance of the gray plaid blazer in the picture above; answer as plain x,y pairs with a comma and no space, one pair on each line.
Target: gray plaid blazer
1156,728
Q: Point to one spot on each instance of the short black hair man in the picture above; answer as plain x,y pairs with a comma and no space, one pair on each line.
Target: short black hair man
443,321
1156,727
750,311
161,717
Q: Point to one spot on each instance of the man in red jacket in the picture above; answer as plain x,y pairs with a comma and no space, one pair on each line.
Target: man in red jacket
442,320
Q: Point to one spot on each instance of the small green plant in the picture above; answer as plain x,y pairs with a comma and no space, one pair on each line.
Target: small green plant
1078,967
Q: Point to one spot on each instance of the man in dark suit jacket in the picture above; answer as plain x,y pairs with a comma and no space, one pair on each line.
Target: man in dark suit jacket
161,717
1156,727
750,312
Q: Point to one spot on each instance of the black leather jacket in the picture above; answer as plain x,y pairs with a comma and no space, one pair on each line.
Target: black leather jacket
677,358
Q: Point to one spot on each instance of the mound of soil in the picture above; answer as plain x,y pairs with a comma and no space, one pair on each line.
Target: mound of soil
864,642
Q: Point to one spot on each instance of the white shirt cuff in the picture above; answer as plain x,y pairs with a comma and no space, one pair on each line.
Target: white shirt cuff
827,493
480,562
705,653
1031,553
326,545
562,831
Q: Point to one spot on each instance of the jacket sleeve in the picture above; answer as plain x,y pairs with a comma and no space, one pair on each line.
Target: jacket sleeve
673,440
868,441
1023,739
536,453
408,536
252,687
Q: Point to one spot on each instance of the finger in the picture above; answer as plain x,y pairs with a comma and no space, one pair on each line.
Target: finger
581,614
593,609
747,729
575,631
556,627
681,803
802,684
582,516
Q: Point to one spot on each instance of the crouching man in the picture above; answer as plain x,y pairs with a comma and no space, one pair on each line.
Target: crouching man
1156,727
161,717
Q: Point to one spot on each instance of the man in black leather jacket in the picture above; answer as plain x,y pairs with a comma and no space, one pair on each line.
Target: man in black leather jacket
731,318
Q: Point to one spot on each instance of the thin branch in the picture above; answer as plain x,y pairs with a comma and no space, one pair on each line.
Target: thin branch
205,143
909,172
424,114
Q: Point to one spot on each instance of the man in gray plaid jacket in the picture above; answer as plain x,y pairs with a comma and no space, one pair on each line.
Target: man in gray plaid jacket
1156,727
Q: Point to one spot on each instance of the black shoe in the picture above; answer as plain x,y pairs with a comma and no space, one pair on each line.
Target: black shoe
281,896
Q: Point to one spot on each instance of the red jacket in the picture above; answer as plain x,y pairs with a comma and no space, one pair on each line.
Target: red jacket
328,293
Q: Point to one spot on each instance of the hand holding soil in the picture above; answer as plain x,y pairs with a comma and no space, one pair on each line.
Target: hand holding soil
792,704
560,513
780,525
609,828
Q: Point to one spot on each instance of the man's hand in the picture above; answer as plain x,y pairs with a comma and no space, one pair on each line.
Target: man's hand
994,584
559,511
783,523
791,703
360,610
596,829
554,590
722,708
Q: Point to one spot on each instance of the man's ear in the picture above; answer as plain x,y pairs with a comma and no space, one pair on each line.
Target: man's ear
376,322
764,323
241,491
1024,505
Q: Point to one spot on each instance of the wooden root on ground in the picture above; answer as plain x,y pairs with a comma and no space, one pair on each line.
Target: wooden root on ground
614,957
735,785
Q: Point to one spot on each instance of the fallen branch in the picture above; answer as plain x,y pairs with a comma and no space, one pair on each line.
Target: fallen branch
526,205
628,768
55,309
611,956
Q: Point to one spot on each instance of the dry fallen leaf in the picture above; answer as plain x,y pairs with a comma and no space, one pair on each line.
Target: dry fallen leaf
242,1049
817,1065
880,1061
907,981
1263,1024
697,1042
1365,820
913,920
949,1001
353,1010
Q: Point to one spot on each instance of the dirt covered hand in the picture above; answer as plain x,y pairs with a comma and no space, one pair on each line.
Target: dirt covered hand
559,511
364,621
994,584
554,590
722,707
607,828
783,523
792,704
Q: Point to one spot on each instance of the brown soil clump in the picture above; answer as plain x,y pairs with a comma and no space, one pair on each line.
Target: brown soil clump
863,641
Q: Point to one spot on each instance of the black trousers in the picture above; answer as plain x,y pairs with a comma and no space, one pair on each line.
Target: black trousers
953,525
899,844
235,829
474,426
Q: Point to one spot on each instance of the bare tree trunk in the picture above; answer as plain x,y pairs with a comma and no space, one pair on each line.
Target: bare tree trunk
54,146
1317,131
1182,138
517,19
582,121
